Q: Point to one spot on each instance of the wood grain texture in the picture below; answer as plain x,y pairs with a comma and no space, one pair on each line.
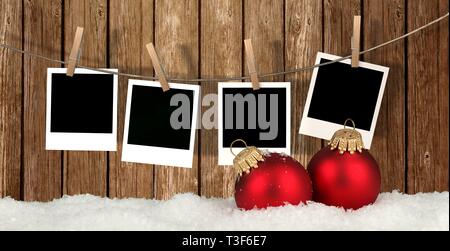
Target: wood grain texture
131,27
303,36
264,25
385,20
177,44
442,172
86,172
221,56
338,25
42,35
428,138
10,99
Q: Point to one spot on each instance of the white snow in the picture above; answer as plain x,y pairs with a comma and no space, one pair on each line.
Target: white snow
392,211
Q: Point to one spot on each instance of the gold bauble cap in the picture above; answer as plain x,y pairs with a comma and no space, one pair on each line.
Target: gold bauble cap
247,159
347,140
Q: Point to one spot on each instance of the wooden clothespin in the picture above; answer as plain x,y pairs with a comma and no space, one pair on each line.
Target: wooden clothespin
356,40
75,53
251,64
158,68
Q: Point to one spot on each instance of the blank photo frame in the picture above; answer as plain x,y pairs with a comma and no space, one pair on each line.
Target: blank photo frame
81,110
149,135
280,143
338,92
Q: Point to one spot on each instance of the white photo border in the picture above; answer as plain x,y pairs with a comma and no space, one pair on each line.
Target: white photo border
160,155
80,141
324,129
225,156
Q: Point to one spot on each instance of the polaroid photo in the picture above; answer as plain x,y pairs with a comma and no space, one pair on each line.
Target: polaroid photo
160,127
81,112
339,92
261,118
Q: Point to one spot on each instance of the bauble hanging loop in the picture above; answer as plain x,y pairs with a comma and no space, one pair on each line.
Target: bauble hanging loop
247,158
347,139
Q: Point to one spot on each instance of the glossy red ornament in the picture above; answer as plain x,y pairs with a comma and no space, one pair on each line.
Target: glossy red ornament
344,180
278,180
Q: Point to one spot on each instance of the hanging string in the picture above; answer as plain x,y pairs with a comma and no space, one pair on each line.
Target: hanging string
229,78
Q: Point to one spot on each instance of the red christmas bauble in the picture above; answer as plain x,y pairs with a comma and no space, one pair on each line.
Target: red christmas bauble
346,177
277,180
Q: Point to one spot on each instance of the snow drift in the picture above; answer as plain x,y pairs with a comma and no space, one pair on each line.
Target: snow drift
392,211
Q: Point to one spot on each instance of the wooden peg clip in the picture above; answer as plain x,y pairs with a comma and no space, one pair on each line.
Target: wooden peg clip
159,70
251,64
75,53
356,40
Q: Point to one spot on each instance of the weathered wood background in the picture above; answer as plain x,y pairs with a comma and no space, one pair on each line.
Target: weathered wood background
204,38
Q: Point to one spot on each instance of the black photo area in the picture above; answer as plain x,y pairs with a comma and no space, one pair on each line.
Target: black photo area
343,92
150,114
252,136
82,103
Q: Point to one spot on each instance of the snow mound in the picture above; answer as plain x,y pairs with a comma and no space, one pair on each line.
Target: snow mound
392,211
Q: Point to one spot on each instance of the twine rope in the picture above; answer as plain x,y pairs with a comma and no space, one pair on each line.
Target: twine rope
236,78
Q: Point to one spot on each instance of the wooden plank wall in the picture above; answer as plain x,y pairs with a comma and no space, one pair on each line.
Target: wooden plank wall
427,100
42,170
11,92
204,38
133,22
